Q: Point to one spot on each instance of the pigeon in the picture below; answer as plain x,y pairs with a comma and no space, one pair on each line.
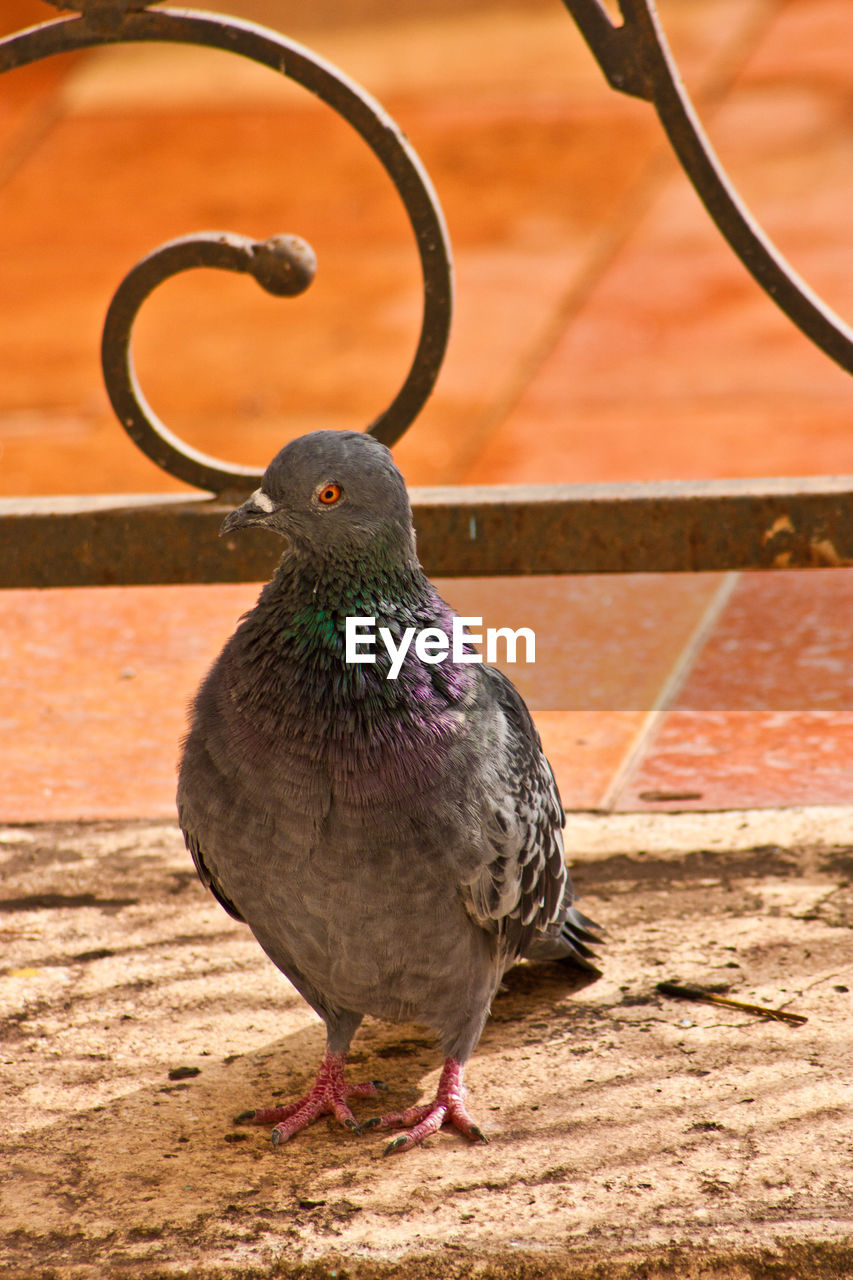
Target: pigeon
394,844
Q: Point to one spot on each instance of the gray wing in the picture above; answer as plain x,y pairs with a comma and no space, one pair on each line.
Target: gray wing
522,890
206,876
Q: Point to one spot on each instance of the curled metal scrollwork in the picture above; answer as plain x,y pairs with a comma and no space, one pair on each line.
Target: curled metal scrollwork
283,265
635,59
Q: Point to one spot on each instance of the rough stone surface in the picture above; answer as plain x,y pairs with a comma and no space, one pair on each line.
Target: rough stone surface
631,1135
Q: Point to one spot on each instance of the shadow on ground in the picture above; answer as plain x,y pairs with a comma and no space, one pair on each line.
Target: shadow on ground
137,1021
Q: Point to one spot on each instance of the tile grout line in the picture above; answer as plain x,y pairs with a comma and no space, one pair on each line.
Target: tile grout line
670,689
25,140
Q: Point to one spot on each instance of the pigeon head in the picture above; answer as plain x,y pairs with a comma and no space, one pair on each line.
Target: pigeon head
333,495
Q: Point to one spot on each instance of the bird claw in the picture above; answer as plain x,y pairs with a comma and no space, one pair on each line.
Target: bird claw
328,1095
426,1119
396,1144
431,1124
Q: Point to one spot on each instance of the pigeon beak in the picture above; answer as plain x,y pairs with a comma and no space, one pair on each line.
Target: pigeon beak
257,509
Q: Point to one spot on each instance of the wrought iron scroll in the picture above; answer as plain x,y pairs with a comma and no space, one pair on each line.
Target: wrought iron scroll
635,59
670,527
276,264
283,265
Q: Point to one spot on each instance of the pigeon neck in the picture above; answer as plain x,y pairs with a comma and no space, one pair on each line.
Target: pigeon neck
300,625
387,551
354,585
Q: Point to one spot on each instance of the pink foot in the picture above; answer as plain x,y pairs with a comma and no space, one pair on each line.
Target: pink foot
328,1094
421,1121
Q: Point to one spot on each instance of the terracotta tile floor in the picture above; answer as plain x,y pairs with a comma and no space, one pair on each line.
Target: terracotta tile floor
603,331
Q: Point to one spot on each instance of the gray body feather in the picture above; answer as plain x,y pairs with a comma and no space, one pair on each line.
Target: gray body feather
392,844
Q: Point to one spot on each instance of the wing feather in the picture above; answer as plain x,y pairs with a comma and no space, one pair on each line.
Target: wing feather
206,876
521,886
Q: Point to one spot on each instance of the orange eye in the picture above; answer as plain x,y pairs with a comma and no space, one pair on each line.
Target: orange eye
329,493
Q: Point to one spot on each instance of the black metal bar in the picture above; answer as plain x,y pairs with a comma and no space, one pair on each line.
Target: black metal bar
283,265
113,21
645,528
635,59
615,49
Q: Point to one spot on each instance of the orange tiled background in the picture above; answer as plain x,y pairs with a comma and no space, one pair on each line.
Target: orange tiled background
603,331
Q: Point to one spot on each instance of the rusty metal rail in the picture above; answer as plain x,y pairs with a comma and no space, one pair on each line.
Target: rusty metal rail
505,529
676,526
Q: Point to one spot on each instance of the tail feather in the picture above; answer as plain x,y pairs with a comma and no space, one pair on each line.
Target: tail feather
573,940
